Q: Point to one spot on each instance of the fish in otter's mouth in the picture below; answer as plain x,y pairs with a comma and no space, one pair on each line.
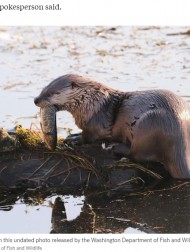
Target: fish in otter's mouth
48,125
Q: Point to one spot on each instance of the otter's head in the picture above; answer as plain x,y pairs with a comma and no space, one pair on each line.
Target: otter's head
58,93
80,96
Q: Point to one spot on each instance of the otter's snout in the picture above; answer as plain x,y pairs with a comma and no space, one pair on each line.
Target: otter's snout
37,101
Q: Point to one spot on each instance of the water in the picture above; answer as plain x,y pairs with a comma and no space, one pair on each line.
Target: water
36,216
126,58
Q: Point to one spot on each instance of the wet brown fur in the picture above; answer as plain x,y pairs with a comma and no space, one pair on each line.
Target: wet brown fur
154,125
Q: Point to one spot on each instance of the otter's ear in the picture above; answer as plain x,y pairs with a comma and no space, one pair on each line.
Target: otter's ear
74,85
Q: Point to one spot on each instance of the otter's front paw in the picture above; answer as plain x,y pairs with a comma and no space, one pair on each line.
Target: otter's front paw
74,139
121,150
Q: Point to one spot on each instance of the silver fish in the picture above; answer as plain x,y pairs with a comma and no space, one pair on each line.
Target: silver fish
48,125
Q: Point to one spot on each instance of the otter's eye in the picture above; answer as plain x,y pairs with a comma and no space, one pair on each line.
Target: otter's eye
74,85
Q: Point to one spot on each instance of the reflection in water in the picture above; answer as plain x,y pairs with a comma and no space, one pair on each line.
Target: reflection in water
73,206
78,222
131,230
165,209
26,218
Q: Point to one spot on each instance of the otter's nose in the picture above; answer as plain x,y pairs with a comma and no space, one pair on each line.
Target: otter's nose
37,101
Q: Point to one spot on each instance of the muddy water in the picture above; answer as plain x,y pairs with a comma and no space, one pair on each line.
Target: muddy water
126,58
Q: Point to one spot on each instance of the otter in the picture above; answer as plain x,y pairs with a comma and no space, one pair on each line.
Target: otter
151,125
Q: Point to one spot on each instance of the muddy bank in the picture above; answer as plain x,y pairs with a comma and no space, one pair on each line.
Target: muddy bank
72,167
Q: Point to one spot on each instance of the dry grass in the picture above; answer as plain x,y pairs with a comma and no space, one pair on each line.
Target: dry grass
129,165
30,138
